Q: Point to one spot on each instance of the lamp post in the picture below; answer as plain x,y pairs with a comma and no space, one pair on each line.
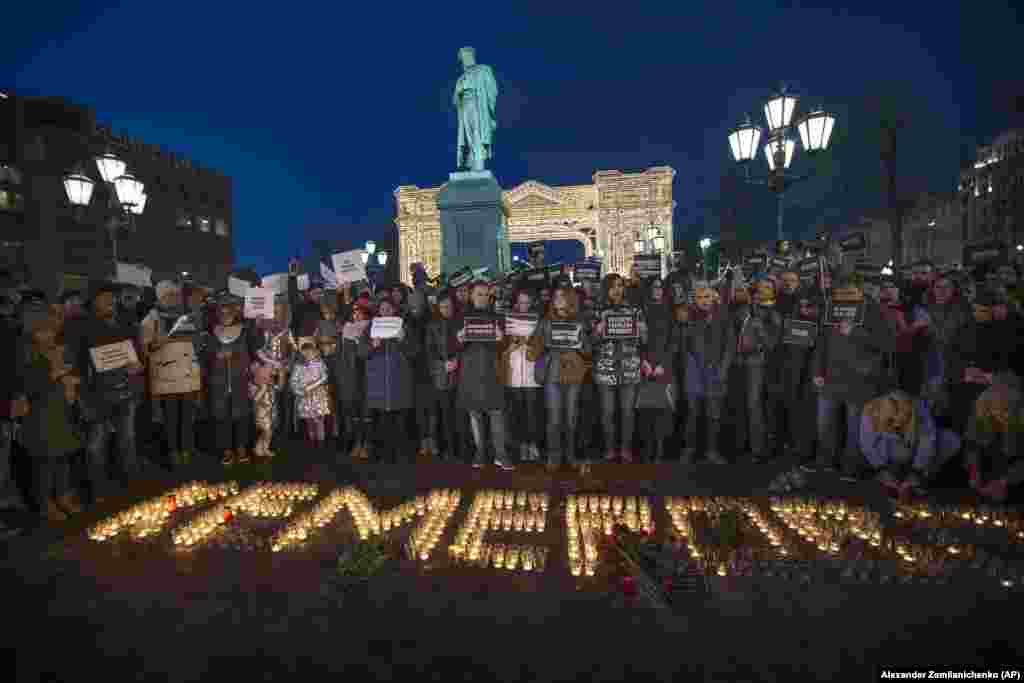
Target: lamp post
705,244
815,132
373,266
126,194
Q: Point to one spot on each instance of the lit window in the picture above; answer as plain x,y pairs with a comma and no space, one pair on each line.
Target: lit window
222,227
204,224
11,201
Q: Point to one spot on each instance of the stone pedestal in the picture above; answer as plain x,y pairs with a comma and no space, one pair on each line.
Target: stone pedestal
472,223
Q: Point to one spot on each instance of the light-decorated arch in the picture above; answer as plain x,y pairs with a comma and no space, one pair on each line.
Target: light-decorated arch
606,216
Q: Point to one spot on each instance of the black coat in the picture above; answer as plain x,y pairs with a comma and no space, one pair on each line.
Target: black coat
226,381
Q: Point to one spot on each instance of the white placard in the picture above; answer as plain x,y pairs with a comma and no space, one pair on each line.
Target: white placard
131,274
330,279
348,266
238,287
113,356
277,283
259,303
386,327
302,282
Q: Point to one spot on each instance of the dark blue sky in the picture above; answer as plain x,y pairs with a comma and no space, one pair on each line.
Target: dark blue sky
320,110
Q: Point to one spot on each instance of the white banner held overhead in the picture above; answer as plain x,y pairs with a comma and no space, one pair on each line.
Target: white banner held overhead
131,274
386,327
348,266
238,287
259,303
277,283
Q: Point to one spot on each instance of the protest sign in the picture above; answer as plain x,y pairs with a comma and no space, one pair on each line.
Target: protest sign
480,330
778,264
647,265
131,274
566,335
520,325
799,332
588,272
113,356
460,278
276,283
238,287
259,304
854,242
174,369
385,327
809,269
983,252
348,266
843,311
620,325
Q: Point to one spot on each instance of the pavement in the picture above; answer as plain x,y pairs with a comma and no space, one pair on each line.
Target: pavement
132,611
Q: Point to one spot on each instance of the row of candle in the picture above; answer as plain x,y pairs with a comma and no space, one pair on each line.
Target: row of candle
299,529
441,505
594,502
963,515
262,499
589,516
148,517
508,499
528,558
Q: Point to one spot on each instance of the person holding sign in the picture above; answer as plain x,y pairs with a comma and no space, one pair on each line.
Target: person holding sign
348,371
168,321
799,336
848,372
269,373
708,348
619,333
560,347
482,381
226,359
389,382
103,351
523,391
441,352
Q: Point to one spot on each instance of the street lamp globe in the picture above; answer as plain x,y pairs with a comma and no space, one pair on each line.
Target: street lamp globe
779,110
382,258
110,167
816,131
139,206
705,243
1020,247
371,247
365,256
743,141
659,243
779,147
129,190
78,188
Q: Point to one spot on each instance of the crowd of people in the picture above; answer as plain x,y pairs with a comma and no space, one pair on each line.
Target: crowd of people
917,383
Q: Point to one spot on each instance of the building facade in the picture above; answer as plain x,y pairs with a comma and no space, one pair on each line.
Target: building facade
992,191
186,225
932,230
606,217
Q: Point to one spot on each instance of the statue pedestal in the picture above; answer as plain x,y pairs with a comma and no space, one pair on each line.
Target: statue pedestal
472,223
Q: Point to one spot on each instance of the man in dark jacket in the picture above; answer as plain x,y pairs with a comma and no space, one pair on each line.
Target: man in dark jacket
481,390
110,397
848,372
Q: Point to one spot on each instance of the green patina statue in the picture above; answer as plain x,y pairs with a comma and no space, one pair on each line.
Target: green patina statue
475,94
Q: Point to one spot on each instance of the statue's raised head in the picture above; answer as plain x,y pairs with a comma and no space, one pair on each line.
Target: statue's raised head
467,56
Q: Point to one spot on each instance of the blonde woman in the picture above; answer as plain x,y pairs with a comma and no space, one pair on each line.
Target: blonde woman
995,459
901,442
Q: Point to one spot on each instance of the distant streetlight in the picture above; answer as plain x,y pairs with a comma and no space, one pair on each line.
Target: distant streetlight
371,247
1020,247
815,132
705,244
382,258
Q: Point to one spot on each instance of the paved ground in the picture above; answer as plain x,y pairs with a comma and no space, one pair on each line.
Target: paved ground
131,612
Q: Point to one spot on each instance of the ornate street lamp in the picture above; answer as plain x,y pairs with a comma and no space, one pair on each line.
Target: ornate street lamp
371,247
815,133
659,242
78,187
110,167
382,258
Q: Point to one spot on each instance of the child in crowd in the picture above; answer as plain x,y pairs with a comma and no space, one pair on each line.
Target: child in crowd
309,382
